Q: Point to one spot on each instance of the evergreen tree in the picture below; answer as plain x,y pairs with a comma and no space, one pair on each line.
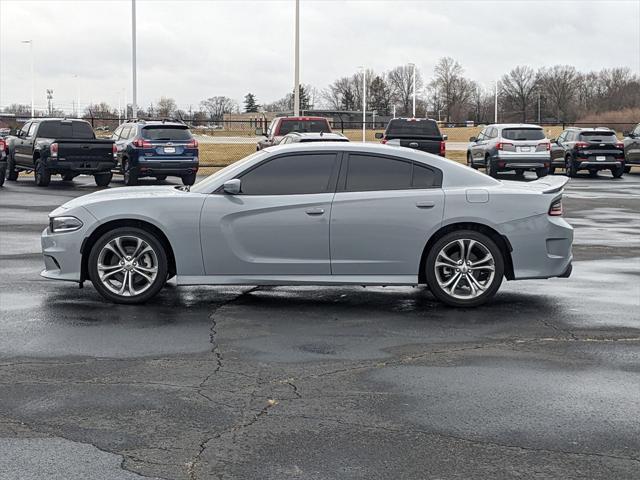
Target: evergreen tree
250,105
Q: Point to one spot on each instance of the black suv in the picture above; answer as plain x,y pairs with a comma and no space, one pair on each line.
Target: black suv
591,149
632,148
156,149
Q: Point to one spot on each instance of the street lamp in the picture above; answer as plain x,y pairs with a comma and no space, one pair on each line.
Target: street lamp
77,109
30,42
364,102
414,88
133,57
296,80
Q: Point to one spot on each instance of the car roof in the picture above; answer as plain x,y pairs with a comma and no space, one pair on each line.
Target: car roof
301,118
514,125
315,135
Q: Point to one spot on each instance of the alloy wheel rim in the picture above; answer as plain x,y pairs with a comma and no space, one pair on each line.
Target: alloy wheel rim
127,266
464,268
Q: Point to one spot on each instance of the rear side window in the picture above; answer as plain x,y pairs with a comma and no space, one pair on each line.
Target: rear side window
66,129
605,137
523,134
314,126
163,132
424,177
292,175
413,128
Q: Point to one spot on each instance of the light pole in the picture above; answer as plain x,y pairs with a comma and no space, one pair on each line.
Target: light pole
364,103
77,109
296,80
538,107
50,101
495,107
33,80
414,88
133,57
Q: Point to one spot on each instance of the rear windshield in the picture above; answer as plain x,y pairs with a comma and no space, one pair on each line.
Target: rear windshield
306,140
598,136
304,126
413,128
65,129
523,133
165,132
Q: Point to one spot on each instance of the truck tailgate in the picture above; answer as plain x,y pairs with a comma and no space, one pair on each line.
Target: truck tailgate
424,145
85,150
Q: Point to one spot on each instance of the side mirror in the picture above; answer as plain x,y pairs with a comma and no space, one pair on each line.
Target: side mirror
379,135
445,137
260,133
232,187
473,139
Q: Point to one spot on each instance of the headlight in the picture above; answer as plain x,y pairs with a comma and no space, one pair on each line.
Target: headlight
64,224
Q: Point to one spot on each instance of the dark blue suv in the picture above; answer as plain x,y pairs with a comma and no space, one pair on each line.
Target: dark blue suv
156,149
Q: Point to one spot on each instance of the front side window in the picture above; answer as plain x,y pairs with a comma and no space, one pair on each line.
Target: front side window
116,133
32,130
24,129
292,175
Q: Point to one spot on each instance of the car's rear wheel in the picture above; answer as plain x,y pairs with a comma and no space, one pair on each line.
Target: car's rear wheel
519,173
617,172
464,268
3,173
128,265
42,174
542,172
161,178
189,179
593,173
490,167
570,167
627,169
130,174
103,179
12,173
552,170
67,177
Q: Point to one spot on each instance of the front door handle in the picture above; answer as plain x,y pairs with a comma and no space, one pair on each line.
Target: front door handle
426,204
314,211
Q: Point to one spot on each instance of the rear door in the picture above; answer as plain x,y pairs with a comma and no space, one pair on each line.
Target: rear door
383,213
278,224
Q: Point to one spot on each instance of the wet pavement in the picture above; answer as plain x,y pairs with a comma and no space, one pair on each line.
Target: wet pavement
324,383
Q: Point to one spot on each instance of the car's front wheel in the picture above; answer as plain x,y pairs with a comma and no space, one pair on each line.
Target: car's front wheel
464,268
12,173
128,265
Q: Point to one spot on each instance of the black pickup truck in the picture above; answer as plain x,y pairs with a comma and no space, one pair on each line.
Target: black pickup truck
51,146
418,133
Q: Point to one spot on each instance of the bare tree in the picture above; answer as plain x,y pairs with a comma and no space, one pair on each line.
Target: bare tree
519,87
340,95
166,107
455,90
559,86
401,82
217,106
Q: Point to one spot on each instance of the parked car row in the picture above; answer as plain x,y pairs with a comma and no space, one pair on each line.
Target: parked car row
69,147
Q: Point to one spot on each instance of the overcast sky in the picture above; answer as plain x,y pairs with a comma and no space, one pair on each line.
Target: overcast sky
190,50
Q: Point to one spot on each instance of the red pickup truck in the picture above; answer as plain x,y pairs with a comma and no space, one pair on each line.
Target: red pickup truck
280,126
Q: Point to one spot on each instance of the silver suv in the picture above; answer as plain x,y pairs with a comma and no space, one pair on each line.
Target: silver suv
508,146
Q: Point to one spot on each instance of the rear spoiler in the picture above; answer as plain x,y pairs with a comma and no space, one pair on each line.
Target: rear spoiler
550,184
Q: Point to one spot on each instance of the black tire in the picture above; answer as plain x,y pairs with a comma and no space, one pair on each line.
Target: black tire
470,161
103,179
519,173
542,172
12,173
161,178
570,167
491,168
3,173
42,174
552,170
617,172
593,173
130,174
189,179
68,177
160,259
493,283
627,169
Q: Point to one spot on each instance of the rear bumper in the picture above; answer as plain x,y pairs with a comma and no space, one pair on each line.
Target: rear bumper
591,165
167,166
528,160
81,166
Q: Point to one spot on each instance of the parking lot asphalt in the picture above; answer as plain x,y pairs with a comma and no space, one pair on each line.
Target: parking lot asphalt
324,383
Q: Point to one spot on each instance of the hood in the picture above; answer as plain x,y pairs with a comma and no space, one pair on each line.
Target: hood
126,193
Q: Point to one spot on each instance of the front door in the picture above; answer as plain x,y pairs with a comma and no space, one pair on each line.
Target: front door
384,212
278,224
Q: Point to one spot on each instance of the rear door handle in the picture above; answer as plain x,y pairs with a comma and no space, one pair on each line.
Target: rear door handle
426,204
314,211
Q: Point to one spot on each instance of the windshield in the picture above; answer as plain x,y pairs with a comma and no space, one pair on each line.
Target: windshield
163,132
315,126
413,128
205,185
523,134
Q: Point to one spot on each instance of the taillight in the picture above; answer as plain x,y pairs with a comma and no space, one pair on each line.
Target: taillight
543,146
443,148
555,210
505,146
580,145
620,145
140,143
114,149
383,141
193,143
2,145
53,149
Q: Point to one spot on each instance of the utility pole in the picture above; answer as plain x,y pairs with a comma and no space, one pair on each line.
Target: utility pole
133,57
364,103
495,110
538,107
296,81
50,101
33,80
414,89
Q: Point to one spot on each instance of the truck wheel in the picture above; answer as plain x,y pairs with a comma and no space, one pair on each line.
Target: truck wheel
42,173
3,173
189,179
103,179
464,268
617,172
542,172
128,265
12,173
130,175
68,177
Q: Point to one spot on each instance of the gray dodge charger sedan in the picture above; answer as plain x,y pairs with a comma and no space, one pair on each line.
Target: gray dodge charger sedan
319,214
